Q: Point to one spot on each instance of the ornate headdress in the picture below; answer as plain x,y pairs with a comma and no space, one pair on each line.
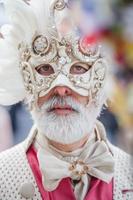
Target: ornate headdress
34,42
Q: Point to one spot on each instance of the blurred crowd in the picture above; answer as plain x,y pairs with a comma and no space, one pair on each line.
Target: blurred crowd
109,21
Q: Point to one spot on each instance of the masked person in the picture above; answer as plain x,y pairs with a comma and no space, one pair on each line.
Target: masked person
64,82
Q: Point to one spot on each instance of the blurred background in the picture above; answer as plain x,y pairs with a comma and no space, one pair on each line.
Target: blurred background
111,23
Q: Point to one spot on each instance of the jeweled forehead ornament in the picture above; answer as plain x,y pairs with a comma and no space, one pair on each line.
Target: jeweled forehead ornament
64,56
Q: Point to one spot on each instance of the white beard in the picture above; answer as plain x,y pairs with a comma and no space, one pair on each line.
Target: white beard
69,128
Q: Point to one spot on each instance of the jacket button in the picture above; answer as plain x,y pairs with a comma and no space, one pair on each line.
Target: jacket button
27,190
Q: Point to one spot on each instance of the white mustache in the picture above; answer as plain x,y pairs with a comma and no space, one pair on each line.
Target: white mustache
62,102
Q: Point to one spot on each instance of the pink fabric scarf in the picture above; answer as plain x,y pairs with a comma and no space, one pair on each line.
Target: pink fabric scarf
98,190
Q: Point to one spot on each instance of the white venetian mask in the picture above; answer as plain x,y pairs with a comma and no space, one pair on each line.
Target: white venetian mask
52,61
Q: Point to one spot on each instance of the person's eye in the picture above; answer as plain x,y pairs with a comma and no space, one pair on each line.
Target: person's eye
45,69
79,69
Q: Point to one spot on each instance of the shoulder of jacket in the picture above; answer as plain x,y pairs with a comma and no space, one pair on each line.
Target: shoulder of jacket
11,159
20,149
123,164
9,151
122,159
119,154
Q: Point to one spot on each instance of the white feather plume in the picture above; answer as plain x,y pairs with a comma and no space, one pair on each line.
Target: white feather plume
41,9
11,83
24,21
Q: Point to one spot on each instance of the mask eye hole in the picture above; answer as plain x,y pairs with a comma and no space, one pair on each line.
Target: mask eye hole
79,68
45,69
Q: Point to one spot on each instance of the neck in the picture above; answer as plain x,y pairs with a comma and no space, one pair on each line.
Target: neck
69,147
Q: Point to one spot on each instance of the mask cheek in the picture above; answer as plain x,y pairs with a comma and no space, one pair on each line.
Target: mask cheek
62,80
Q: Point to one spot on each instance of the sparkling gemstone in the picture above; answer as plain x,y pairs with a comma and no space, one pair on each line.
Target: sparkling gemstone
62,61
60,4
40,44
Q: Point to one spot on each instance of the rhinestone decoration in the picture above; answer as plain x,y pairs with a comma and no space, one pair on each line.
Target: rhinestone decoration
40,45
85,55
60,5
79,168
62,61
87,49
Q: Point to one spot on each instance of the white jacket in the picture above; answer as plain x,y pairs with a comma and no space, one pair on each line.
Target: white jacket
17,179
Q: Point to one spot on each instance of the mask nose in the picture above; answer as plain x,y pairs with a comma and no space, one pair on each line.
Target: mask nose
62,91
